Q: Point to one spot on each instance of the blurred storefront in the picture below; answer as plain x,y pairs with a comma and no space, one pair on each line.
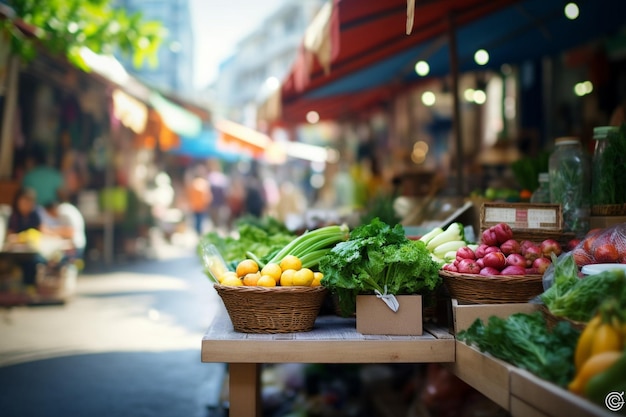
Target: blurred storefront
105,131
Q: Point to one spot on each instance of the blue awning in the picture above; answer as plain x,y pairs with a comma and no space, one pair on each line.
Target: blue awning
205,145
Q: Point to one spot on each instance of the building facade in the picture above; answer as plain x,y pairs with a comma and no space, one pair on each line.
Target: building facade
174,72
261,61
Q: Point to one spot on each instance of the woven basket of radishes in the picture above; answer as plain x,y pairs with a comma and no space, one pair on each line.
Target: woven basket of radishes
499,269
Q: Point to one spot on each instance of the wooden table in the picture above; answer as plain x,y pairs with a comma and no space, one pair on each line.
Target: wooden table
333,340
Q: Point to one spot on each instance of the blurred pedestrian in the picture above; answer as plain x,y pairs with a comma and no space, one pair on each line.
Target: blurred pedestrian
255,200
42,178
199,198
235,198
218,182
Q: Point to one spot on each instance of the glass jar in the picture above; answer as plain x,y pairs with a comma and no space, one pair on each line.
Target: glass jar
570,183
602,182
542,193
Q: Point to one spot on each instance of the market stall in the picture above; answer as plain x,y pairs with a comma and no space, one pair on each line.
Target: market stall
507,312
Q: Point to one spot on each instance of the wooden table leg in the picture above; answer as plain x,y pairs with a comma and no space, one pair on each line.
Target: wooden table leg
245,389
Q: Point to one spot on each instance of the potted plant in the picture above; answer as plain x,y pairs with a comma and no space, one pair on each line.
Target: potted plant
382,275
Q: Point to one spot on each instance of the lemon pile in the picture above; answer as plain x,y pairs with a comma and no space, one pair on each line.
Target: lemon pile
289,272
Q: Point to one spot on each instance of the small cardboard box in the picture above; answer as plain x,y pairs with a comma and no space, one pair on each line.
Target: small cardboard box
373,316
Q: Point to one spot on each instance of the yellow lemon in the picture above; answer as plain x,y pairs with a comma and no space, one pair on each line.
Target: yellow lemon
247,266
226,274
286,278
251,280
290,262
232,281
272,270
304,277
317,279
266,281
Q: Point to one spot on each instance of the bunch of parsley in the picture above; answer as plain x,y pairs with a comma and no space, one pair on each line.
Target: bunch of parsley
525,341
379,257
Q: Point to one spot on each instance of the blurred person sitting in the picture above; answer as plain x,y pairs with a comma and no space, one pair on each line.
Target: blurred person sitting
42,178
24,218
24,213
62,219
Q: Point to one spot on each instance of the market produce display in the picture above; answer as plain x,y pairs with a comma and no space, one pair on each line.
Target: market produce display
526,341
576,298
602,246
443,244
290,265
499,253
288,273
378,257
600,357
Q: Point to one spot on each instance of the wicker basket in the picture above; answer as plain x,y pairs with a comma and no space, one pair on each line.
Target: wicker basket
608,210
496,289
272,309
553,320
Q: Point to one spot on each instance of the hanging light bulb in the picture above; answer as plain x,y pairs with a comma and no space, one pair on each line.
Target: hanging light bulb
422,68
571,11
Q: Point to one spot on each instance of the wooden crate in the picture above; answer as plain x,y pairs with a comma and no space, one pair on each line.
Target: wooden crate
463,315
489,375
533,396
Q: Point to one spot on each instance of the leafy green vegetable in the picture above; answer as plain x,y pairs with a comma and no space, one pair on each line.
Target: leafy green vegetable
378,257
524,340
579,298
261,237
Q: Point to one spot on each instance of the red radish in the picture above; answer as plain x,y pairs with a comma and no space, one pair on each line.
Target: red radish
513,270
525,244
465,253
549,246
489,271
489,237
450,268
510,246
480,262
541,264
503,232
531,271
468,266
480,250
532,252
515,259
495,260
572,244
491,249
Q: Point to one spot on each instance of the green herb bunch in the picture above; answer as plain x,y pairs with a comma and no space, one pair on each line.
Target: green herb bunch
378,257
609,170
262,237
525,341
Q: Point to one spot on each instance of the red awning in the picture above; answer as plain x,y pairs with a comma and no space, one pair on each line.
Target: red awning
364,32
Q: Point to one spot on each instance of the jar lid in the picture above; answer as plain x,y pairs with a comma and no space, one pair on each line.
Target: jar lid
544,177
601,132
567,140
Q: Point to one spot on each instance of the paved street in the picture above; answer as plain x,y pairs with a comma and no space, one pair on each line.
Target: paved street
128,344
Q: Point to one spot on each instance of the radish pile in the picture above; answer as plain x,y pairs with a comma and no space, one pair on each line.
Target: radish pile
499,253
